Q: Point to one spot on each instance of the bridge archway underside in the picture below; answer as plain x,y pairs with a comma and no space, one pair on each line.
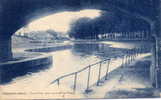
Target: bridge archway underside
16,13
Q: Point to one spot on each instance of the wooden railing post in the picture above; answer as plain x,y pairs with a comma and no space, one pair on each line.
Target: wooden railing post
122,62
58,82
125,62
88,80
108,63
99,74
75,81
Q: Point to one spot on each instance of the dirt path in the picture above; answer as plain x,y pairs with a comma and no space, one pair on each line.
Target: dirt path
127,82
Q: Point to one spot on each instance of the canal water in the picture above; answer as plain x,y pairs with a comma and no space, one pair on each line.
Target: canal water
71,60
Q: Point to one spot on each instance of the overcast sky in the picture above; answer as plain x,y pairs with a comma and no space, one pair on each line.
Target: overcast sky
60,22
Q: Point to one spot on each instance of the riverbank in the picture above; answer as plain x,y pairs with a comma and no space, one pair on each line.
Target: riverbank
132,81
28,58
81,54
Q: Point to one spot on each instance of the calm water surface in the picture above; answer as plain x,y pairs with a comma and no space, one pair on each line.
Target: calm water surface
71,60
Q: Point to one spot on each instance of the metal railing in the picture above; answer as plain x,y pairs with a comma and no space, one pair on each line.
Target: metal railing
126,59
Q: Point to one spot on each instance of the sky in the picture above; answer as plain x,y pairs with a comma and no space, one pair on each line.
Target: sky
60,22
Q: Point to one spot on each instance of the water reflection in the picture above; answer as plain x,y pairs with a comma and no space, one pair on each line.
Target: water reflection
9,72
64,62
100,50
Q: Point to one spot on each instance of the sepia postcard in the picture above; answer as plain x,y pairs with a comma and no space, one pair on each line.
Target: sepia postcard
80,49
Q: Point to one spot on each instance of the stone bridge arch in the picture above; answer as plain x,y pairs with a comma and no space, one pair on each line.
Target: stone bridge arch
17,13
